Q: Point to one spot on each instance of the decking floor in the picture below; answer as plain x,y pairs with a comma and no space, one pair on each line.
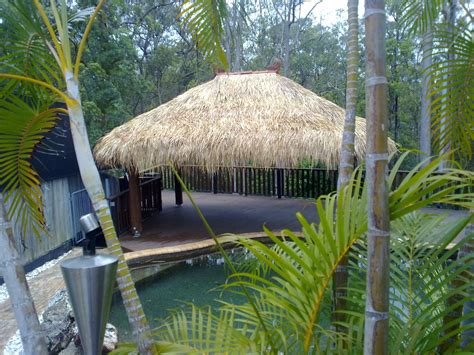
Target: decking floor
225,213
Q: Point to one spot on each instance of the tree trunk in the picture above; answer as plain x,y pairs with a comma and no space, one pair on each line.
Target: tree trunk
425,121
450,18
378,236
91,179
32,336
346,164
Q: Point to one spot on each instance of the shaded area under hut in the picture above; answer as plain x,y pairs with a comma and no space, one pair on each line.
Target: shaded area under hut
258,119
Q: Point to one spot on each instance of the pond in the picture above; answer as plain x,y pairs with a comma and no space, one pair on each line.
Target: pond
193,281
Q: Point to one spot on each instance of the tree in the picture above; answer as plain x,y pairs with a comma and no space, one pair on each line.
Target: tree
347,159
32,336
60,48
425,120
378,235
62,79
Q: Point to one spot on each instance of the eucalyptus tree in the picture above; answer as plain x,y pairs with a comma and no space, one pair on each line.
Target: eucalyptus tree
378,234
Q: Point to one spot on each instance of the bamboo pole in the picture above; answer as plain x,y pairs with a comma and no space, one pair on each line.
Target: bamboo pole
377,297
32,336
91,179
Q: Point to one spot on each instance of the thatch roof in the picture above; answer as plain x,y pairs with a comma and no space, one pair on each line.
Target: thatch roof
262,119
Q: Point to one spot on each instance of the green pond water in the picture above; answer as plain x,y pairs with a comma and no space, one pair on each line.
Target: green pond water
192,281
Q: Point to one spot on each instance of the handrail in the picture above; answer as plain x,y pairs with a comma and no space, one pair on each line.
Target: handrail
121,193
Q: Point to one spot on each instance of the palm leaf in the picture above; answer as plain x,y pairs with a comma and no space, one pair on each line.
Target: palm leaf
22,128
452,93
26,48
203,19
420,15
420,275
291,289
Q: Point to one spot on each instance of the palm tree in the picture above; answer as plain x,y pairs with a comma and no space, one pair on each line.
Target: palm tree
65,87
13,273
60,77
346,165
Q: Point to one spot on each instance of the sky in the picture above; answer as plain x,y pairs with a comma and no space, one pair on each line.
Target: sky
327,10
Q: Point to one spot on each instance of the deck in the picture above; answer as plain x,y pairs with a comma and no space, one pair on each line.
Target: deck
226,213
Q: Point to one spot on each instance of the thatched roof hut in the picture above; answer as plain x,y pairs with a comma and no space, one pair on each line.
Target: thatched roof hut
258,118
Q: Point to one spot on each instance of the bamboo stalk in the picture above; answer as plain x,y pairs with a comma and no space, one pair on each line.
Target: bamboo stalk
91,179
377,297
32,336
346,162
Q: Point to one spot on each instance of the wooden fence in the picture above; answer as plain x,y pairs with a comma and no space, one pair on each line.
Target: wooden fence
279,182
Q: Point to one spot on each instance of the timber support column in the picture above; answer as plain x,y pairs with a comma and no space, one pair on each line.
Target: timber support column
135,203
178,190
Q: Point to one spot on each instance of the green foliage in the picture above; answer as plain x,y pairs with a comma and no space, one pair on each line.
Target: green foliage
293,280
203,19
420,15
423,275
22,127
452,92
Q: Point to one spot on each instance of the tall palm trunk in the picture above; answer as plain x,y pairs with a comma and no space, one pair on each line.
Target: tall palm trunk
91,179
32,336
346,165
425,121
450,19
377,302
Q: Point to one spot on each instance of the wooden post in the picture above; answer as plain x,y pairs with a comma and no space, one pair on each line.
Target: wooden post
135,203
214,183
279,182
178,191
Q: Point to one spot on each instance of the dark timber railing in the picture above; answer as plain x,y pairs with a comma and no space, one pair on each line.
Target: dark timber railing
150,189
279,182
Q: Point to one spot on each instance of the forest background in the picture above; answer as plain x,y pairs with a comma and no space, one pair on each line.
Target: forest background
139,57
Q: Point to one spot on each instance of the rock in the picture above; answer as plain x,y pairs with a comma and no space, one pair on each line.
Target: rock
62,334
110,338
110,342
72,349
58,322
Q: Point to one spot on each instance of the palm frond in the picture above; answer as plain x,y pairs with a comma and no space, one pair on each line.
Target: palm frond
420,15
292,287
26,49
22,127
421,272
204,20
452,92
201,329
